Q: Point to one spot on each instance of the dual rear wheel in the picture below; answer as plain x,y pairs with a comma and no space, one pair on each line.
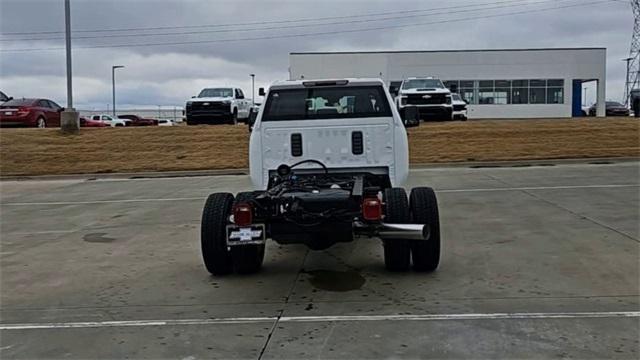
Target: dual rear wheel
420,208
220,259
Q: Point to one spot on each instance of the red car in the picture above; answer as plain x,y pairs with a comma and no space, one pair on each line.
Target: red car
139,121
84,122
39,113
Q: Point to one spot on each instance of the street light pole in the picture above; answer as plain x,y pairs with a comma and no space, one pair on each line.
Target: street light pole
253,88
113,86
67,24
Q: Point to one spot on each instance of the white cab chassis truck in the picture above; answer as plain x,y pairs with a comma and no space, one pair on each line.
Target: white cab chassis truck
429,95
221,105
327,159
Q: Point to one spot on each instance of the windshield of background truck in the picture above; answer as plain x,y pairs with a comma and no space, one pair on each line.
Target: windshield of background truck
221,92
422,84
341,102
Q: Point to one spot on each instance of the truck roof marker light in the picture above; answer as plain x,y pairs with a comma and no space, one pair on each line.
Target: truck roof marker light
325,83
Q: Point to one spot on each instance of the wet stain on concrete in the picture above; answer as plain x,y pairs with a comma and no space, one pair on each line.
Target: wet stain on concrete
97,238
339,281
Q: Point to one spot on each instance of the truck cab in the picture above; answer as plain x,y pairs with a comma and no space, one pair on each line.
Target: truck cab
327,161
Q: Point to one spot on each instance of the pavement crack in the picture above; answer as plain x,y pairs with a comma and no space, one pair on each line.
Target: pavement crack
581,216
284,305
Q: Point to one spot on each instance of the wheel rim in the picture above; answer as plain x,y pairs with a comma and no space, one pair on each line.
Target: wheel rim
41,124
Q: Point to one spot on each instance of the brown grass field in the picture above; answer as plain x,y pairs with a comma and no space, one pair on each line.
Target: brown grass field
48,152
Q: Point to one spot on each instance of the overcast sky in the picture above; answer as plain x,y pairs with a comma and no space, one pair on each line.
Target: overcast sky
169,74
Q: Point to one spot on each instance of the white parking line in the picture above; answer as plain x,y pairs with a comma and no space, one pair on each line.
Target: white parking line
101,201
606,186
541,188
338,318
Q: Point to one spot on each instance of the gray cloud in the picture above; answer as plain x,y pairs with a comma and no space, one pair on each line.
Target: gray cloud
167,75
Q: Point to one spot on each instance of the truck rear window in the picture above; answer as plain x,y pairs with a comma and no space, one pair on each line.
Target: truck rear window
340,102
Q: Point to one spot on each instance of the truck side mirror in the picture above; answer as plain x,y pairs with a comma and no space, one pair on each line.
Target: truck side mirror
193,97
252,120
261,91
411,116
393,90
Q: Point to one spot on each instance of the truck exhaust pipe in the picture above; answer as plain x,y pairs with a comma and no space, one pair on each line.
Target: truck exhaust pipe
394,231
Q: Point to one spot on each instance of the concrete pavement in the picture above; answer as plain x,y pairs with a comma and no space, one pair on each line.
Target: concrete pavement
537,262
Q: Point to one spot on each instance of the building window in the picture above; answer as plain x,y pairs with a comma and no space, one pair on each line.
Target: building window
467,91
555,95
555,91
520,95
537,91
486,95
502,92
505,92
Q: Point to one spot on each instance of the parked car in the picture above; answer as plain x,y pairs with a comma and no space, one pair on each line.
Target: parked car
39,113
165,122
218,105
138,120
4,97
110,120
459,107
612,108
84,122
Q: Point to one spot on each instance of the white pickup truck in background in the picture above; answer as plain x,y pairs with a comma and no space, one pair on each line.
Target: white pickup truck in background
429,95
111,120
218,105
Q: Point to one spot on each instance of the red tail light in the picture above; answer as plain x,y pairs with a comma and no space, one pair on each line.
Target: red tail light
22,111
371,209
242,214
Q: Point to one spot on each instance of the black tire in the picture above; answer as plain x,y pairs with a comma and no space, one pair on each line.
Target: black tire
247,259
424,210
41,123
234,117
213,237
396,252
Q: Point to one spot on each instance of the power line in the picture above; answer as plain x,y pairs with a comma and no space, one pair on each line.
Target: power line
528,3
314,33
266,22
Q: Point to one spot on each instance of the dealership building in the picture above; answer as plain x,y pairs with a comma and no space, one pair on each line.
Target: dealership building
514,83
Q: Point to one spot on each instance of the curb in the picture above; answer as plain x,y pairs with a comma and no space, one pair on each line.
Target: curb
245,171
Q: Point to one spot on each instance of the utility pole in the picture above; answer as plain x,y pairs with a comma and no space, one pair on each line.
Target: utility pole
633,62
253,88
69,118
113,86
